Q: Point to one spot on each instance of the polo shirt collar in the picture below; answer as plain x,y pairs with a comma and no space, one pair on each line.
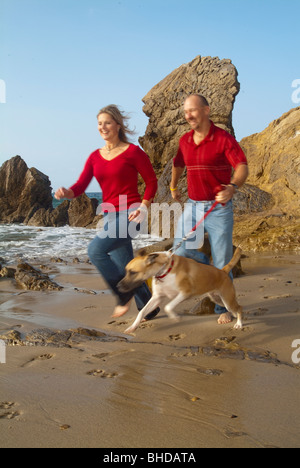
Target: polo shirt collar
209,137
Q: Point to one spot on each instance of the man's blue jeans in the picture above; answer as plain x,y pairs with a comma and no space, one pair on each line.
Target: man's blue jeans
218,225
111,251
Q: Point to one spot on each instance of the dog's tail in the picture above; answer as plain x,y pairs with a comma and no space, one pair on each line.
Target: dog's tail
236,257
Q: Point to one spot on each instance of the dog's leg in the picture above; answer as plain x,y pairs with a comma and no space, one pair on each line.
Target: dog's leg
174,303
228,296
149,307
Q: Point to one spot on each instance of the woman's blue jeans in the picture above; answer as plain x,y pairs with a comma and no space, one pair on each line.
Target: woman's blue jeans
111,251
218,225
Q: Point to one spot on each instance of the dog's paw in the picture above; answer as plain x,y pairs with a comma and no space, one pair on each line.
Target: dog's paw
130,330
238,325
176,318
171,314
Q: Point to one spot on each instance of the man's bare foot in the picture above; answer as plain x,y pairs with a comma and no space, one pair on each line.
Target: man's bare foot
225,318
121,310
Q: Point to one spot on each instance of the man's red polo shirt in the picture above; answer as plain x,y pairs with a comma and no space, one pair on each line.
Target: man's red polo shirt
210,163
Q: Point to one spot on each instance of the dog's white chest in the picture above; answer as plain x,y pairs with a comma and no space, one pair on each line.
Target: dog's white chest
166,286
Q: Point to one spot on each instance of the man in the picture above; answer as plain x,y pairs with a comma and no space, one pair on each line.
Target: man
210,154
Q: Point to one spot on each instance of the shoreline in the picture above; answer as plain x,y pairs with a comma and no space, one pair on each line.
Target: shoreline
189,384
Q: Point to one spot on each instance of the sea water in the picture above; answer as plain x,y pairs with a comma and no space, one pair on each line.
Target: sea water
19,242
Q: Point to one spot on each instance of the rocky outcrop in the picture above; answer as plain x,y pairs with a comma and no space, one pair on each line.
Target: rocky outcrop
82,211
274,160
26,197
23,191
32,279
274,163
214,78
57,338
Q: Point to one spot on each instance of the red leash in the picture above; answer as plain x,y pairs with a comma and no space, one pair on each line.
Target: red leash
217,190
204,217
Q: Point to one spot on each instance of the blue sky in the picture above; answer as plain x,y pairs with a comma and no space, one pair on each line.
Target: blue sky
62,60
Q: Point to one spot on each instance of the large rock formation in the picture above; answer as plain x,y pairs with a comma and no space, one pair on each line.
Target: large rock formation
23,191
26,197
214,78
267,208
274,160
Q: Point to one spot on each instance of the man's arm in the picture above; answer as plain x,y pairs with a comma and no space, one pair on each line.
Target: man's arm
176,174
239,178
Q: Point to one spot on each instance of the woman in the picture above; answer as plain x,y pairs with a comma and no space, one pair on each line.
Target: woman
116,167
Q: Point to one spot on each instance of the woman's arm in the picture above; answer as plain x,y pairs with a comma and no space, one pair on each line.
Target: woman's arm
144,167
80,186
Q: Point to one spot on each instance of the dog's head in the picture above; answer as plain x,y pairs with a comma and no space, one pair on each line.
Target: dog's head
142,268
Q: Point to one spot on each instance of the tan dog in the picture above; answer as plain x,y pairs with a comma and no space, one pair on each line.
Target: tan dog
180,278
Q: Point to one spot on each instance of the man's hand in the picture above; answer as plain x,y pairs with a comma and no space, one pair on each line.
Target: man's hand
176,195
226,194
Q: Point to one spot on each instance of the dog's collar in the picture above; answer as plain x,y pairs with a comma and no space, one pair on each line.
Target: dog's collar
159,278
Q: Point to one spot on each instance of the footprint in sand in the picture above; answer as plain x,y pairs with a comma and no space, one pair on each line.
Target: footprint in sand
176,337
101,356
103,374
118,324
147,325
260,311
42,357
7,410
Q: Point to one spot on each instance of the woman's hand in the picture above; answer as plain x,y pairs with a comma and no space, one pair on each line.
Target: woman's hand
139,215
62,193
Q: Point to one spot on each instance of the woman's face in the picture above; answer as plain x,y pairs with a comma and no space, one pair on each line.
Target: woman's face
108,127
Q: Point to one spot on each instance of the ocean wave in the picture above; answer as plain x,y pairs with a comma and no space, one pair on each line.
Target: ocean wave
27,243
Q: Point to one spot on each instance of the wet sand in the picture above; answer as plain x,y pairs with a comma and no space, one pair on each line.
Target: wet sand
175,385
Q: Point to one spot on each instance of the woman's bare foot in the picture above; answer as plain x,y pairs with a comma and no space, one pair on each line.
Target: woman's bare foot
121,310
225,318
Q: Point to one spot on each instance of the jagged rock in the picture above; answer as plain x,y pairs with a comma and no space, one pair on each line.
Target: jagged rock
57,338
50,218
12,338
274,163
214,78
250,199
31,278
82,211
7,272
23,191
26,197
274,160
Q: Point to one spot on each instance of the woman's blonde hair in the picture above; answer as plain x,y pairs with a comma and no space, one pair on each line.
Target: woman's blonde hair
121,119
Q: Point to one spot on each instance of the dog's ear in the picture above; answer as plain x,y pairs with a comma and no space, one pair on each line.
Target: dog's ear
151,259
141,253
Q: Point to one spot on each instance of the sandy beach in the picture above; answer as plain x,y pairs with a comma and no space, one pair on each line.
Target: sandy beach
74,379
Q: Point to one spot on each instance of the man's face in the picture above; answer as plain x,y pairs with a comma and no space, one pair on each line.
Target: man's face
195,113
